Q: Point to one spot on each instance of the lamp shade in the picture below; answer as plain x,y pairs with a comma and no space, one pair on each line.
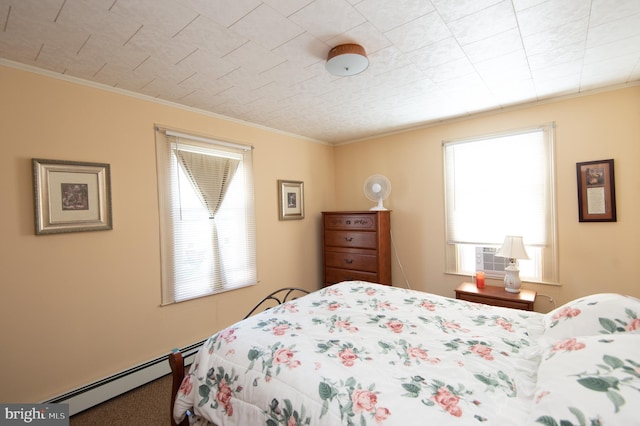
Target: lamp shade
512,248
346,60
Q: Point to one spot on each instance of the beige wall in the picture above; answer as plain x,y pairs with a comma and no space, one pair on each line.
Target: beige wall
593,257
77,307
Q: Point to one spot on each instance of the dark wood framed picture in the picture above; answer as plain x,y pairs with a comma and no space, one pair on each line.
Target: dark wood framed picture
596,191
71,196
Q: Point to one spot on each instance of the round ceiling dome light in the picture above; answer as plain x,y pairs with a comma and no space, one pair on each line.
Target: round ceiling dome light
346,60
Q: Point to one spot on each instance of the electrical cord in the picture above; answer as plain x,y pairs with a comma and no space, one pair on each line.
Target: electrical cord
395,251
551,299
404,275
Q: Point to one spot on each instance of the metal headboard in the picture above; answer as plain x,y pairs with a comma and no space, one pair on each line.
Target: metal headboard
279,296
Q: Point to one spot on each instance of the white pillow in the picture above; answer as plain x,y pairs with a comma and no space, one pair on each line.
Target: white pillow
604,313
589,380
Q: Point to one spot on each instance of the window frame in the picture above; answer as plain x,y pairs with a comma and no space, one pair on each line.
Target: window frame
168,171
546,254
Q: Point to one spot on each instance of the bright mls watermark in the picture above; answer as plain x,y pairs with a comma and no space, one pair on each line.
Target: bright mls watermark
34,414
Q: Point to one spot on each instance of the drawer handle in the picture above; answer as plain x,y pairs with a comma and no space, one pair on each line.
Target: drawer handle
348,238
348,261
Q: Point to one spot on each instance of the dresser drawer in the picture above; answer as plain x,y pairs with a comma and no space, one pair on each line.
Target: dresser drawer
335,275
350,221
497,296
356,246
495,302
351,239
346,260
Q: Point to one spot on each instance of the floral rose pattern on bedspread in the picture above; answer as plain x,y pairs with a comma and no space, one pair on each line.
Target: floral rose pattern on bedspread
358,353
608,389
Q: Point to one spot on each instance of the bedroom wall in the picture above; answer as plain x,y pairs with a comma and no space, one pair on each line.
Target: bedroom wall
78,307
593,257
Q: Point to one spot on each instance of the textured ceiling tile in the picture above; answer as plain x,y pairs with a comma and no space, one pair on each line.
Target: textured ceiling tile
287,71
519,5
287,7
165,49
552,14
559,55
558,86
612,70
603,11
245,78
266,27
44,10
386,15
326,19
206,65
509,92
558,71
494,46
486,23
607,51
454,10
303,50
94,18
572,33
387,59
418,33
166,17
504,69
224,12
54,58
450,70
410,76
20,51
21,24
618,30
254,57
438,53
268,74
209,35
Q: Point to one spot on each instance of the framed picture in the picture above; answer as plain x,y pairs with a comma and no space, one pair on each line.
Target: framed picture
291,199
71,196
596,191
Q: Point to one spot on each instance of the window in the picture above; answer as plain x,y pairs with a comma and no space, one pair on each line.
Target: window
207,225
501,185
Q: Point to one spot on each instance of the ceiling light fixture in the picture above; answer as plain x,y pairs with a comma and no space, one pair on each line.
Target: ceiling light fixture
346,60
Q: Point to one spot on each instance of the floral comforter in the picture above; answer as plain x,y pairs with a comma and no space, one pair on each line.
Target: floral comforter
358,353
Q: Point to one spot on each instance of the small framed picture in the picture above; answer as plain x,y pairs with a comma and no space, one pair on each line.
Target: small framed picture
291,199
71,196
596,191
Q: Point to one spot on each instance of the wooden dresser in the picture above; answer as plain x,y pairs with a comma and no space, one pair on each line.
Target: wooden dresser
357,246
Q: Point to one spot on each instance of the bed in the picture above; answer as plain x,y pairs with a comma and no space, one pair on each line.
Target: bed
358,353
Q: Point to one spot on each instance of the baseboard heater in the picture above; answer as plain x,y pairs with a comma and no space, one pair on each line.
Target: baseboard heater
103,390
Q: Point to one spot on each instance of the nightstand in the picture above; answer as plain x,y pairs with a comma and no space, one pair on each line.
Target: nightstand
496,296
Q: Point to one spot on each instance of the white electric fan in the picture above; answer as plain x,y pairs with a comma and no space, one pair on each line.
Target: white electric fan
377,188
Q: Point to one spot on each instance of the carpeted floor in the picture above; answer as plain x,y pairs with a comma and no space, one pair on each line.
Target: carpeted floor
147,405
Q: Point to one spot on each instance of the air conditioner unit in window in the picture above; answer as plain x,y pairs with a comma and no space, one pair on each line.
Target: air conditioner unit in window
492,265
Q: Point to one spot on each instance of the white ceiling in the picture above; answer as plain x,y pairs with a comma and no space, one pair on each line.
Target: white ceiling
263,61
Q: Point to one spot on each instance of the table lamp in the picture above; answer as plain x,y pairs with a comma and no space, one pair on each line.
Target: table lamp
513,249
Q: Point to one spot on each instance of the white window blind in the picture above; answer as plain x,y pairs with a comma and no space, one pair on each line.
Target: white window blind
502,185
207,223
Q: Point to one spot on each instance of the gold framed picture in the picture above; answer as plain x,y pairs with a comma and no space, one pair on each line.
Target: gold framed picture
291,199
71,196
